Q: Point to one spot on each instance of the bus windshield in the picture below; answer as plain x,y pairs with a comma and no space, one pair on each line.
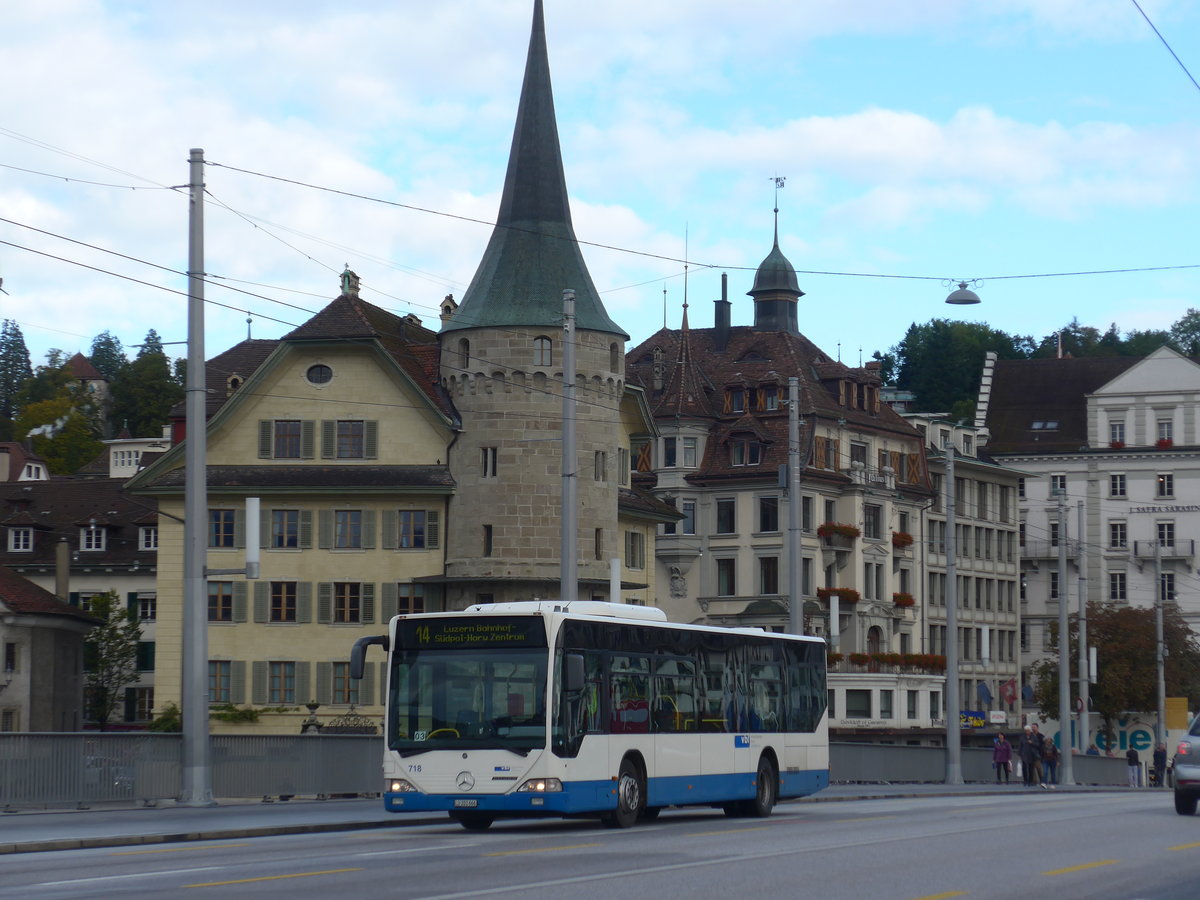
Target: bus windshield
455,689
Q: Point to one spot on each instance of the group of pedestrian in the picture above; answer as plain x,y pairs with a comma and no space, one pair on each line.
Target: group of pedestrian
1037,755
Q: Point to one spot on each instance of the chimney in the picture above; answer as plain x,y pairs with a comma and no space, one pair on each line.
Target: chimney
721,317
62,569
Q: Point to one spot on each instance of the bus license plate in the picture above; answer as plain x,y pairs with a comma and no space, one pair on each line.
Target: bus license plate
466,804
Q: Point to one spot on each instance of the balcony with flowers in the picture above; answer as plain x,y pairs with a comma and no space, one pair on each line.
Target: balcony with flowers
838,535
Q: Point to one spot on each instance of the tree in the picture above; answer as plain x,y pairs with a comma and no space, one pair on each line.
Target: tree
15,370
1124,638
61,434
1185,333
108,356
110,657
145,390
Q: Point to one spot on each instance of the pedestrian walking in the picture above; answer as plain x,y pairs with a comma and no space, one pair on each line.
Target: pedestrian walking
1050,755
1135,768
1001,757
1160,765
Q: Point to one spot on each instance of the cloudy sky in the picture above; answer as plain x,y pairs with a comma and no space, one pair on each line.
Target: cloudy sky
925,139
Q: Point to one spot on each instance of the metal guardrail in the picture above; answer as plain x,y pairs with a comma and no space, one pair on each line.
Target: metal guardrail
82,768
42,770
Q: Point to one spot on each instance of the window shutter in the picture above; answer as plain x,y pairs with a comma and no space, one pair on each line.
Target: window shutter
897,461
389,601
304,602
643,458
366,689
382,683
307,427
303,682
368,603
328,445
819,453
883,459
239,527
131,601
324,683
266,433
325,602
432,530
841,393
258,682
237,681
727,407
913,475
239,601
261,599
325,528
368,529
835,455
264,528
370,439
390,527
306,529
145,656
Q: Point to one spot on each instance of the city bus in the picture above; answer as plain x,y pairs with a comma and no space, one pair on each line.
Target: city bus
595,709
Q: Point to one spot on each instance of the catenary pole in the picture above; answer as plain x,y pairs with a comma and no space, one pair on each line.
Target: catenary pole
197,773
1085,716
1064,645
1160,654
953,724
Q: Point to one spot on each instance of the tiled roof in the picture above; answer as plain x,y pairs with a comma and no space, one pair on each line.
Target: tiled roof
18,456
636,500
1052,392
23,597
59,508
381,478
81,367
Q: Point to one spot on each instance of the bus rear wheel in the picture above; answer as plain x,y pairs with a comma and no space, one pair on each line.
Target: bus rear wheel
631,797
474,821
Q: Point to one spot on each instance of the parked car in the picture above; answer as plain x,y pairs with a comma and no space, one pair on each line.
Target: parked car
1187,771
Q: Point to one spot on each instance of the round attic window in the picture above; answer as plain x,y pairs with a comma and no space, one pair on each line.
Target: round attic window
319,374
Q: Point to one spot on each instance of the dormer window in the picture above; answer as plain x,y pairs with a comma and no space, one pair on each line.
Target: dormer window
735,400
768,396
92,538
543,351
20,540
745,453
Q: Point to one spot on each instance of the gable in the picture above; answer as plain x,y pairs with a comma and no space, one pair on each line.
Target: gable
1162,370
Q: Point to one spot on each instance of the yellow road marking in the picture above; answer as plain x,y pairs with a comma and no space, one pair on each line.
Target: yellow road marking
1091,865
1185,847
272,878
943,896
179,849
731,831
541,850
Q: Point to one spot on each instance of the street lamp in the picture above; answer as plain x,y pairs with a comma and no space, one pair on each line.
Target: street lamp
963,296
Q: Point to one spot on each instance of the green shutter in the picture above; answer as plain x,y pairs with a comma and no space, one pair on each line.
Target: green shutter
73,598
304,602
370,439
324,683
145,656
306,529
303,682
264,528
328,443
266,433
239,601
390,527
239,527
366,687
258,682
237,681
389,601
325,602
325,529
368,529
368,603
382,683
262,600
307,427
432,530
131,602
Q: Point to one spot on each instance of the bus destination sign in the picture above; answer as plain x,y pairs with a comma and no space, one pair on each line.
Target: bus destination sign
462,633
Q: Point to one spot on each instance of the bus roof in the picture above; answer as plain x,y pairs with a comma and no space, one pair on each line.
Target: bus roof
578,608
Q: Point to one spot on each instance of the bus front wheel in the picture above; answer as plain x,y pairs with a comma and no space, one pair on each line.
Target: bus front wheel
631,797
766,790
474,821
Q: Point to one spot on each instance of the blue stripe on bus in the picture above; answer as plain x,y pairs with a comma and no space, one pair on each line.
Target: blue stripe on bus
599,796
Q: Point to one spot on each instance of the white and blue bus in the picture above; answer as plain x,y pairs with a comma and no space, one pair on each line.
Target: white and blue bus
596,709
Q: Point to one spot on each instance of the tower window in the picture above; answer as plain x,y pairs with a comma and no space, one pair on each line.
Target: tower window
543,351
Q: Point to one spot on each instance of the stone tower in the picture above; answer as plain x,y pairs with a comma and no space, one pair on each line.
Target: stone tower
501,361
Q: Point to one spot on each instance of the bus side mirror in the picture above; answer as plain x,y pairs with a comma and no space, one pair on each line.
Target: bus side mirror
359,651
573,677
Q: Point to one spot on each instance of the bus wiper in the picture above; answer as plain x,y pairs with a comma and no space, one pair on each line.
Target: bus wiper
407,753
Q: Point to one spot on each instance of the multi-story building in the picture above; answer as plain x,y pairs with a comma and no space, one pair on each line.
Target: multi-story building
400,470
1112,440
987,571
721,399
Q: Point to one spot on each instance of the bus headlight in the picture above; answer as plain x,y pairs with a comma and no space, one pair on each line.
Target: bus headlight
540,786
400,786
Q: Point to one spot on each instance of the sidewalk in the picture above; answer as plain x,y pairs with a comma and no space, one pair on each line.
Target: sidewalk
100,826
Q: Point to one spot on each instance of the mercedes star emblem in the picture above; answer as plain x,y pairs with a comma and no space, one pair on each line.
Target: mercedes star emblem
465,781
